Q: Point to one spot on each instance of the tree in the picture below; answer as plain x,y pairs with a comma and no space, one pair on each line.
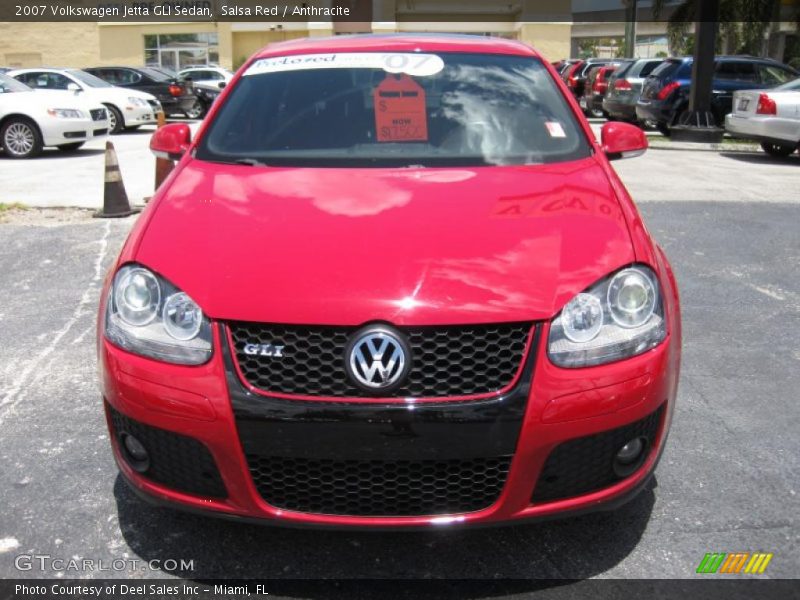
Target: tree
744,25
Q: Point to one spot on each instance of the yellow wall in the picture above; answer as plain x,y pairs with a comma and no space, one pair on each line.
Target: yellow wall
124,44
90,44
48,44
247,43
551,40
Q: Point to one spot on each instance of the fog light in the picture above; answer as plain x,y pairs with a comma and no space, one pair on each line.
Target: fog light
630,451
630,457
135,452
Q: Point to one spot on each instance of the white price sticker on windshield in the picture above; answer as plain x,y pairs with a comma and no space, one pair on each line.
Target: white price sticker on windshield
555,129
411,63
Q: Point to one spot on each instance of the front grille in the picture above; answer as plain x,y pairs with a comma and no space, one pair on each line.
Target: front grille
446,361
98,114
176,461
379,487
585,465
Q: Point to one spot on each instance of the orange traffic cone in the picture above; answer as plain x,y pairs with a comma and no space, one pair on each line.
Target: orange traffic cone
115,199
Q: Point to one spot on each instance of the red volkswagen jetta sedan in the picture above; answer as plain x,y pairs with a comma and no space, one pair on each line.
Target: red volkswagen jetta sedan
393,281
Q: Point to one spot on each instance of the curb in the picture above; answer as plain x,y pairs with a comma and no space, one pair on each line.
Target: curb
700,147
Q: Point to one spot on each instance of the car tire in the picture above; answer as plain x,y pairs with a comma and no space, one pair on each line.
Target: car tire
593,113
663,128
115,121
70,147
197,111
777,150
20,138
132,128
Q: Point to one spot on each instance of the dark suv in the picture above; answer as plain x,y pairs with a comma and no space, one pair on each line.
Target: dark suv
666,92
176,97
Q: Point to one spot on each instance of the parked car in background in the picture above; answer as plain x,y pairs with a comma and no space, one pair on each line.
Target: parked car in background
206,83
562,65
175,98
665,94
771,117
209,77
127,109
575,75
596,87
625,87
31,120
5,69
205,98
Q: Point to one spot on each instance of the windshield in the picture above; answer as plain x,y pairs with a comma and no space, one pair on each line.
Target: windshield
9,85
432,110
89,79
793,85
666,68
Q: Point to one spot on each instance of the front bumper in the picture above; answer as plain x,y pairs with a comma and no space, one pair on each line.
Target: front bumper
177,105
547,407
139,115
764,129
57,132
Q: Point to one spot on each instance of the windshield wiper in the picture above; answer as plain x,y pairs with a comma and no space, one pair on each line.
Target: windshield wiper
252,162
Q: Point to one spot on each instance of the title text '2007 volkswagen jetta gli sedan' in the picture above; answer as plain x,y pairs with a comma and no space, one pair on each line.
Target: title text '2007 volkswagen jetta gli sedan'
393,281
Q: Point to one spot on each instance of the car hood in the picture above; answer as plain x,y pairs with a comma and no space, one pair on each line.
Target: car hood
44,99
117,94
409,246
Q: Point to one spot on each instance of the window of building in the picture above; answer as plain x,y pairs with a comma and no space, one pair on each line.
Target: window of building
176,51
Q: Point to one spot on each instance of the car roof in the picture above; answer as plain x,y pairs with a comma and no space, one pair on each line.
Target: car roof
51,69
731,58
116,67
399,42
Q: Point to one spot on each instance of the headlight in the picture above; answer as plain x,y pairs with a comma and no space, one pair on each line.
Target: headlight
65,113
149,316
138,101
620,317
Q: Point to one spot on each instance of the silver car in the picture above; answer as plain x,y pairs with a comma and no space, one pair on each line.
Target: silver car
771,117
625,87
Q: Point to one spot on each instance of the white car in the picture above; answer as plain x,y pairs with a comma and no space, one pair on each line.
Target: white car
127,109
30,120
771,117
208,77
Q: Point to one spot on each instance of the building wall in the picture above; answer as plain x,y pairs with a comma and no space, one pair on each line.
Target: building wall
124,44
552,40
52,44
92,44
247,43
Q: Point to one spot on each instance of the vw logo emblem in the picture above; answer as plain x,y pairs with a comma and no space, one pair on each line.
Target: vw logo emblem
378,359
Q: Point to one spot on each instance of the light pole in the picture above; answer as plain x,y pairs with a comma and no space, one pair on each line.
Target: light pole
630,27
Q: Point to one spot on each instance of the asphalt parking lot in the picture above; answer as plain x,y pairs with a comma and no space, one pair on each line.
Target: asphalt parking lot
728,481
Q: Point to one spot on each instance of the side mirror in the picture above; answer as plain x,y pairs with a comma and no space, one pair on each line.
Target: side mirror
74,87
222,84
622,140
171,141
